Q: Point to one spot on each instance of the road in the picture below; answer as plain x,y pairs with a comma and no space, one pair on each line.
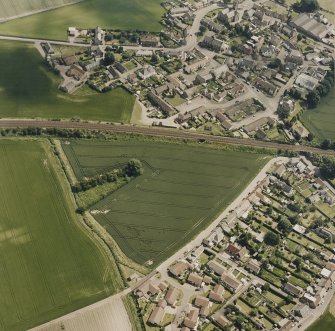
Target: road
158,132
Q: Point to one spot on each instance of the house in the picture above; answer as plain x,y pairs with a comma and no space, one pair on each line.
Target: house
260,123
223,119
69,59
195,279
147,290
120,67
203,78
236,251
191,319
216,294
216,267
207,280
215,44
179,268
230,16
146,72
280,170
71,31
214,238
149,41
202,303
293,290
157,316
211,25
253,266
171,296
68,87
295,57
221,320
325,273
157,101
231,282
76,72
307,82
266,86
312,301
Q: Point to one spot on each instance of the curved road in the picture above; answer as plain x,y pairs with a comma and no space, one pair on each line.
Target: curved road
159,132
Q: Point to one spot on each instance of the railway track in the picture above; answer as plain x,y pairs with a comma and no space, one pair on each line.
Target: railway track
159,132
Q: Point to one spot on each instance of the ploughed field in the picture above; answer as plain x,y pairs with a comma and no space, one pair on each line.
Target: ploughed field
117,14
181,191
49,265
29,89
12,8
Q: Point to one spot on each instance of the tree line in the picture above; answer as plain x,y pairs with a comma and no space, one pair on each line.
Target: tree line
132,169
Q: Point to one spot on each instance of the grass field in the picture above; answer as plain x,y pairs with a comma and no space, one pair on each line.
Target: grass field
321,120
120,14
325,323
10,8
29,90
183,188
48,264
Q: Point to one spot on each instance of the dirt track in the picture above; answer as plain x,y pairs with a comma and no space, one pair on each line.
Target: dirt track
159,132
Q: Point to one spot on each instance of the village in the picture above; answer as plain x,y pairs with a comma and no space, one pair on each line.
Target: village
267,265
237,70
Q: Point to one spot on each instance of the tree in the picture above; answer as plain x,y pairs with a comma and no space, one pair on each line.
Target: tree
109,59
306,6
134,168
283,113
312,99
154,59
285,226
276,63
271,238
326,144
298,262
328,167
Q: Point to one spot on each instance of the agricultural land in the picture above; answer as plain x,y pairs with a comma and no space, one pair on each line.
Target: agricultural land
181,191
20,98
118,14
49,264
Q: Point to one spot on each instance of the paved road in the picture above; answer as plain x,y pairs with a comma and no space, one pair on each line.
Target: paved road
159,132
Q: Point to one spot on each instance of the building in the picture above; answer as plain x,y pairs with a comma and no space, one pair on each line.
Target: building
216,294
307,82
156,100
156,316
195,279
149,41
191,319
216,267
231,282
221,320
253,266
293,290
68,60
215,44
179,268
146,72
266,86
310,26
147,290
202,303
171,296
236,251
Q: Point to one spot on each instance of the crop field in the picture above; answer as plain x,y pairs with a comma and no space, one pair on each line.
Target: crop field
181,191
321,120
11,8
118,14
49,265
28,89
325,323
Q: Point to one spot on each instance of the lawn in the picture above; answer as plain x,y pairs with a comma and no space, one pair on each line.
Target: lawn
29,89
181,191
321,120
49,265
117,14
18,7
325,323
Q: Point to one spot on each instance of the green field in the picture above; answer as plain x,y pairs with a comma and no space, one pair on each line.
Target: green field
325,323
181,191
48,264
18,7
321,120
118,14
29,90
